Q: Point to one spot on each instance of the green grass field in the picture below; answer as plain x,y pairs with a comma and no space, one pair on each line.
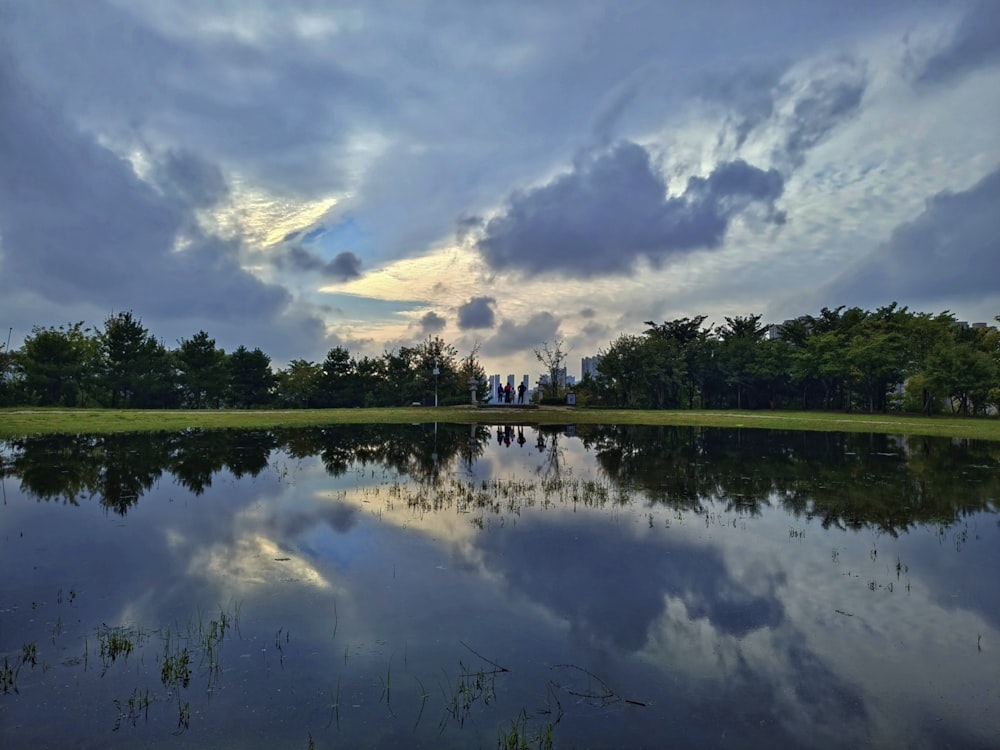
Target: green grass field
21,422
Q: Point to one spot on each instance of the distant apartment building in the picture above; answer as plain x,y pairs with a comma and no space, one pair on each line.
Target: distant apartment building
562,381
776,331
589,365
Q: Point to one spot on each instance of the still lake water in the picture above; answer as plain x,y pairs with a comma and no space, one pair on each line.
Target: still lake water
454,586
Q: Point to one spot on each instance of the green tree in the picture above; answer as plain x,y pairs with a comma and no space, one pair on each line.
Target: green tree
620,371
739,353
398,386
926,334
878,354
471,370
250,378
772,371
690,339
136,370
435,354
298,384
202,372
664,372
372,380
57,365
963,371
340,385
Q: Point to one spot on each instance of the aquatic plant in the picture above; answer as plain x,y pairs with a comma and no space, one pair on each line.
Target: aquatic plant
29,653
8,676
116,643
136,705
517,737
175,671
470,687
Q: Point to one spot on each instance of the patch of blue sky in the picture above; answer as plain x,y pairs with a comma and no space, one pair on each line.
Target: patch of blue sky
346,236
356,306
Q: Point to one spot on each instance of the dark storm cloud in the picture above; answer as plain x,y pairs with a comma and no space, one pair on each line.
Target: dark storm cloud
432,323
477,313
512,338
190,180
343,267
280,110
975,44
613,209
949,250
79,226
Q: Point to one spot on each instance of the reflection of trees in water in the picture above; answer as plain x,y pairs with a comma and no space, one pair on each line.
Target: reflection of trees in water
415,450
846,480
119,469
547,443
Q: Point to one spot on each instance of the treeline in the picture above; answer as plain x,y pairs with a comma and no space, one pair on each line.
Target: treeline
121,365
842,359
889,359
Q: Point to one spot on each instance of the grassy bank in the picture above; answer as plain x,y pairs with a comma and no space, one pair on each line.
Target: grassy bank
18,422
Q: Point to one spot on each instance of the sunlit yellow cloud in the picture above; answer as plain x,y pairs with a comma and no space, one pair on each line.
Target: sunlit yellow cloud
262,219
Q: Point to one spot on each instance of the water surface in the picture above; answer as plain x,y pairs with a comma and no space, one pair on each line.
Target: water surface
456,586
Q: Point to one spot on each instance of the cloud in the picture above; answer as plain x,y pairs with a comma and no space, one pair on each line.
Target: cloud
343,267
749,93
949,250
825,102
432,323
613,209
476,313
975,44
511,338
80,227
190,180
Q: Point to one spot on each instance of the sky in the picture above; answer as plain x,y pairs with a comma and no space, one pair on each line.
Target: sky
298,176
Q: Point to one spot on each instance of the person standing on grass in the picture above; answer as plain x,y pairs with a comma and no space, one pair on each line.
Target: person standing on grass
520,392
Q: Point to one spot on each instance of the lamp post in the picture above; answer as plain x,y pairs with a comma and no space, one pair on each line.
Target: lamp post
437,372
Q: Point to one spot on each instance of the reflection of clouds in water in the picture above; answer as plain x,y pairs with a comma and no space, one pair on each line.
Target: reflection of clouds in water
335,513
743,612
253,560
822,661
964,579
259,547
769,675
616,595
